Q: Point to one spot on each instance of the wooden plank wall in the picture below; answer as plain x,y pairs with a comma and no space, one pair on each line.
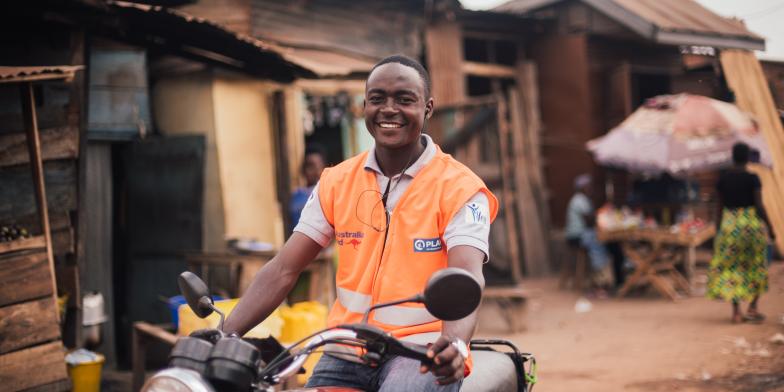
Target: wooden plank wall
376,29
745,77
31,349
444,60
774,73
529,182
566,97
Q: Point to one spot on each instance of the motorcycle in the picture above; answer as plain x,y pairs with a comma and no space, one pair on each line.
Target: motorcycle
212,361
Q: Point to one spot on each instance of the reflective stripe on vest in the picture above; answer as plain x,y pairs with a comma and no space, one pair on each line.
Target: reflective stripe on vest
391,315
401,316
354,301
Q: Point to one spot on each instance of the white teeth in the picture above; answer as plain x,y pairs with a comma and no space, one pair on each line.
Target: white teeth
387,125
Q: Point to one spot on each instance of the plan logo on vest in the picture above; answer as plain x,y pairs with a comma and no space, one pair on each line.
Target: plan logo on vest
427,244
353,238
477,213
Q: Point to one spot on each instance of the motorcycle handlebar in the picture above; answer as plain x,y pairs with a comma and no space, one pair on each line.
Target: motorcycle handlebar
367,336
318,340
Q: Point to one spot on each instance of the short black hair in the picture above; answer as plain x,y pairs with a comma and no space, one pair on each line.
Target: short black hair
408,62
316,149
740,153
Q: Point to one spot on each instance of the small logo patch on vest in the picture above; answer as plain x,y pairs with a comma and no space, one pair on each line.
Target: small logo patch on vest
427,244
477,213
353,238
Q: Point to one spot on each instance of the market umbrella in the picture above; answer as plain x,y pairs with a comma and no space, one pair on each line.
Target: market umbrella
679,134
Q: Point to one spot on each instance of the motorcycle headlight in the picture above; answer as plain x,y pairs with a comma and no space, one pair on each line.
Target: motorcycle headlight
176,380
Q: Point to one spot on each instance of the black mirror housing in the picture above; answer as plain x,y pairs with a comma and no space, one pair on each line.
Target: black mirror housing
452,294
196,294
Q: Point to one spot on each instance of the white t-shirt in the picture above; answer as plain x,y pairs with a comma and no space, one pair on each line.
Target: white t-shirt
579,206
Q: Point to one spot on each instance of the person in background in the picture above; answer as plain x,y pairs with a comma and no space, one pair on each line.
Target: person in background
580,223
738,270
314,163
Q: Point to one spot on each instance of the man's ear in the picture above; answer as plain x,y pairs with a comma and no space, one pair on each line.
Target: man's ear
429,108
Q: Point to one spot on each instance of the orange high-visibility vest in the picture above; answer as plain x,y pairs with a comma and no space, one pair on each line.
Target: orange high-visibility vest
380,262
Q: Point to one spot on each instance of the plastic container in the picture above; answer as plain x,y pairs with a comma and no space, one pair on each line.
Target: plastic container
189,322
175,302
86,374
301,320
93,309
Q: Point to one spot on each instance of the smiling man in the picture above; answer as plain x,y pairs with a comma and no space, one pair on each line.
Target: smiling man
398,213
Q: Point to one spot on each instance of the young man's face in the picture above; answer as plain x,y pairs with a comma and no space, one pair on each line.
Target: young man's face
396,105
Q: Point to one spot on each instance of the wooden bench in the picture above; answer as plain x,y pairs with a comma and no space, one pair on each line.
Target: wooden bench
506,303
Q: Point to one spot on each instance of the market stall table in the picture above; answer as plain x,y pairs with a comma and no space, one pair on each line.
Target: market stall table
653,265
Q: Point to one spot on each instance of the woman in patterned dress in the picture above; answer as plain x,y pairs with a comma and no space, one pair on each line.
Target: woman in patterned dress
738,270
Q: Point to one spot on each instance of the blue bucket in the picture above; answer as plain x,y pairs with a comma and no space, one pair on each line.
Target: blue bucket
174,304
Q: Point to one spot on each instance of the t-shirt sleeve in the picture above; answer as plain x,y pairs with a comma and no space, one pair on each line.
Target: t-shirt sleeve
312,221
470,225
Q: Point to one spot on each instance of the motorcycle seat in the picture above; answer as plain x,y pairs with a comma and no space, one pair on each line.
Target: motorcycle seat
493,371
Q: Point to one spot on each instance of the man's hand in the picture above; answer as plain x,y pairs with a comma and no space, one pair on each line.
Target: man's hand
448,364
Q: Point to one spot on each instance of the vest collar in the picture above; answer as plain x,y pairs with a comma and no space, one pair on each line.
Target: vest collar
430,152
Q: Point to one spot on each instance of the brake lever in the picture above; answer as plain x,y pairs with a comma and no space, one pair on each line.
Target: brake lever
382,343
409,350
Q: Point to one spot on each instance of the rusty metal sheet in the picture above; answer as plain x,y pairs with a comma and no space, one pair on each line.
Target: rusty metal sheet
668,21
204,34
50,72
326,63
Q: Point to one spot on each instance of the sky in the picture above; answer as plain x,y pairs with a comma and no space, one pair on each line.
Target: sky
763,17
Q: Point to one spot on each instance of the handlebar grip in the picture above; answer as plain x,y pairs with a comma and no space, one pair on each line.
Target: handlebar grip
414,351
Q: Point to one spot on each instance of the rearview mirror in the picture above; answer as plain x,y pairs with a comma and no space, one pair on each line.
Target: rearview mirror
452,294
196,294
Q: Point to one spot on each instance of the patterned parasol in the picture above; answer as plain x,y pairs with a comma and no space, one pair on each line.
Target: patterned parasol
679,134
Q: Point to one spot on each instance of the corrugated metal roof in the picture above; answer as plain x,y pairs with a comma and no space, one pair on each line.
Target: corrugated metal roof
686,16
204,34
51,72
328,63
677,22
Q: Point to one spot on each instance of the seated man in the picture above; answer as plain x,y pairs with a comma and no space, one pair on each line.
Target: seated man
398,213
580,222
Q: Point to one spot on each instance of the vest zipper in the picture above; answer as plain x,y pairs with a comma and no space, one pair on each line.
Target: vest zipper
380,258
383,244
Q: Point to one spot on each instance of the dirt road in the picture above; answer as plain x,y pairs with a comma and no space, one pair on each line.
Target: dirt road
647,343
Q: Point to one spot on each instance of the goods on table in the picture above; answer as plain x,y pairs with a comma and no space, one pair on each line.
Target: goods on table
13,232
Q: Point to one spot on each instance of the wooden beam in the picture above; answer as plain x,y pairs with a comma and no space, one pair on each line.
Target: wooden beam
27,324
528,210
281,149
56,143
488,70
508,194
40,365
37,166
25,276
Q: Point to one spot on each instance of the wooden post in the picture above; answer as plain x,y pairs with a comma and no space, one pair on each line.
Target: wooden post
508,199
280,143
37,166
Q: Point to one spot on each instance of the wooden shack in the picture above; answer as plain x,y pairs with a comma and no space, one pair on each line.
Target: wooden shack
31,347
125,196
599,60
